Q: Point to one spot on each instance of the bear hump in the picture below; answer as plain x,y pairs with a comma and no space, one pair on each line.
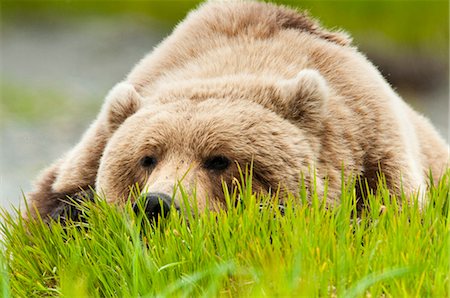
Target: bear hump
259,19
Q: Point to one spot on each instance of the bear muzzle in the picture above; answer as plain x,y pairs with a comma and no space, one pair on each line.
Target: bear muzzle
156,205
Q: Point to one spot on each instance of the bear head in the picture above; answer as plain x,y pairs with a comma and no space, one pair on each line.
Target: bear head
199,133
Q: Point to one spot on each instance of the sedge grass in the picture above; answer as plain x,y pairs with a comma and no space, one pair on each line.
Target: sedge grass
310,250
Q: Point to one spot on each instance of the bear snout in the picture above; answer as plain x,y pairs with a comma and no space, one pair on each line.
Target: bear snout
155,204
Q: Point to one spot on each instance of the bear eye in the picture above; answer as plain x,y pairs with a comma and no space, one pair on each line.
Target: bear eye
148,161
217,163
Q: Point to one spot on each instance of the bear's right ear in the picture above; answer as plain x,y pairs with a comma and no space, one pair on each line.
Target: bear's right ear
304,97
78,168
121,102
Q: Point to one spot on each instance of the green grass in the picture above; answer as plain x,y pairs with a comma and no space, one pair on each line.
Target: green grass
32,104
247,251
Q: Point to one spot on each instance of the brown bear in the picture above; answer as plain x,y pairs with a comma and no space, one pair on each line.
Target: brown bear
240,83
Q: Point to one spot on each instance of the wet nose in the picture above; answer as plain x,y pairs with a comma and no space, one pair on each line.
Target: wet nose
155,204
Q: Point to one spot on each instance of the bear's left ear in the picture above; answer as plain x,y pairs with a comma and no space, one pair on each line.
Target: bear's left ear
304,96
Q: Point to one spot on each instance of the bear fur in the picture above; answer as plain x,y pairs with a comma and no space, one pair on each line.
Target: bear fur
244,82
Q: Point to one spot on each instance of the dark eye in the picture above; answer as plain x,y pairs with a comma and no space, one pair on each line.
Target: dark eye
217,163
148,162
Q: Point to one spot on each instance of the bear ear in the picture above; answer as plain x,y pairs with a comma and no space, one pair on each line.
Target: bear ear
121,102
304,96
79,167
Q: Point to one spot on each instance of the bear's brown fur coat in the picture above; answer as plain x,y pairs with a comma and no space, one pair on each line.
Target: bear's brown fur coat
241,82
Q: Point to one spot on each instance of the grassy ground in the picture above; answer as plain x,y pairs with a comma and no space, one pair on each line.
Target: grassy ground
29,105
247,251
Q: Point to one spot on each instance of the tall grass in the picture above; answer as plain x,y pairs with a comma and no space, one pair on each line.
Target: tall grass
250,250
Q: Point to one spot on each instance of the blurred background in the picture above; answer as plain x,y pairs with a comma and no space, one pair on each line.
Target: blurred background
60,58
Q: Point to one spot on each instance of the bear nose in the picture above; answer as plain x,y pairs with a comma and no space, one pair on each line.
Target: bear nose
155,204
